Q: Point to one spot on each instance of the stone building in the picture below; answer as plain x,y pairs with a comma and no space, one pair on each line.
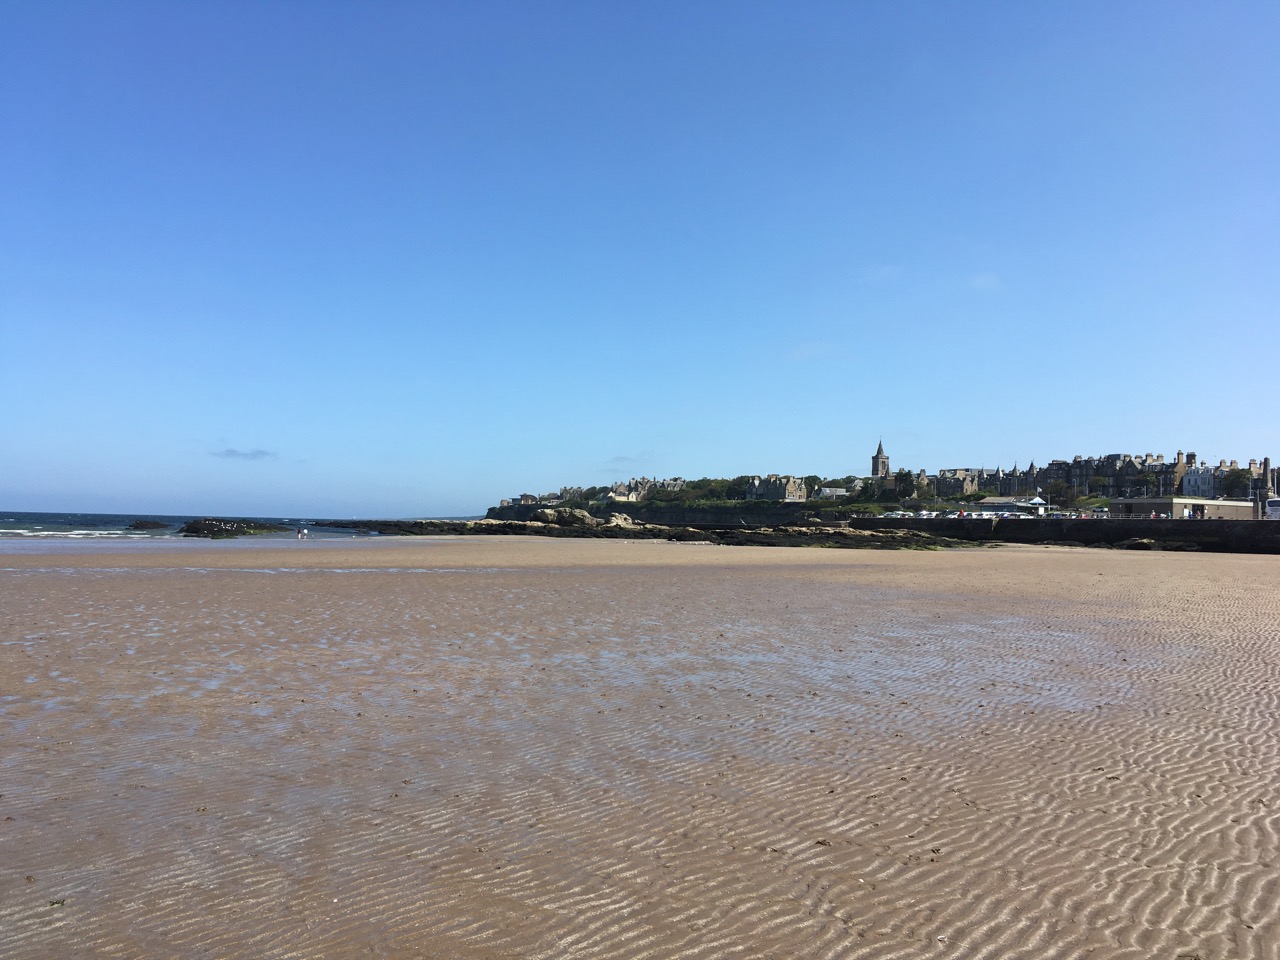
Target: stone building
642,489
963,481
774,487
1015,482
1115,475
1205,480
1200,480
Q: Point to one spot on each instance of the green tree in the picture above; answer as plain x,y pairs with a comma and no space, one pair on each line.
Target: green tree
904,485
708,489
667,496
1059,493
1235,483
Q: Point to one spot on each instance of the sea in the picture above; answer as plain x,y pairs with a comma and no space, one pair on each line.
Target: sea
133,526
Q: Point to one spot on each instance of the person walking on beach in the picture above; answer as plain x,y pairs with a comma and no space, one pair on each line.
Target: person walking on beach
299,533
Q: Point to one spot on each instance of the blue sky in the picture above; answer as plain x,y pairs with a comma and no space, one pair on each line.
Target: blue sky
405,259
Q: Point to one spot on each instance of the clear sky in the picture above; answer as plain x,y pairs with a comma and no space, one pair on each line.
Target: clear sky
406,259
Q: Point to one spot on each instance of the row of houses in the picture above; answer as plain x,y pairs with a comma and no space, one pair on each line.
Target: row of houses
1117,475
770,487
624,491
1114,476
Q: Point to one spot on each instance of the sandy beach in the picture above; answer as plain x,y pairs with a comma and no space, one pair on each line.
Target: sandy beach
530,748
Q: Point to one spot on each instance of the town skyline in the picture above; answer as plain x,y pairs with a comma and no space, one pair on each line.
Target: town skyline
1110,476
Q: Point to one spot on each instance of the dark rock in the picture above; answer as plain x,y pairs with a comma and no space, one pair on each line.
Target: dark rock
565,517
216,528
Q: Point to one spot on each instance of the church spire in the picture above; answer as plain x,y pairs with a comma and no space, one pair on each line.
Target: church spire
880,462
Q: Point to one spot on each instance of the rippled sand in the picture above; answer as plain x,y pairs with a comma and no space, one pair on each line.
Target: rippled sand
532,748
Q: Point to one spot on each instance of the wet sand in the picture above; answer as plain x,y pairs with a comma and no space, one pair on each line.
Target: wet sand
543,748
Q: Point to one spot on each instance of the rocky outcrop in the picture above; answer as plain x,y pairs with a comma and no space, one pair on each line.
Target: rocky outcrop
748,513
565,517
622,520
1227,536
619,526
217,528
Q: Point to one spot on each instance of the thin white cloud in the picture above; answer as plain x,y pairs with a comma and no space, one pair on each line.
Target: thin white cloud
231,454
621,461
624,464
805,351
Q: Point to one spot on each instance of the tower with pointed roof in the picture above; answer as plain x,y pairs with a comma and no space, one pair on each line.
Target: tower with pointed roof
880,463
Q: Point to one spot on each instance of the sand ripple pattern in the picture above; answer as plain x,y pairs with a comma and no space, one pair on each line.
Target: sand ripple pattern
976,754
